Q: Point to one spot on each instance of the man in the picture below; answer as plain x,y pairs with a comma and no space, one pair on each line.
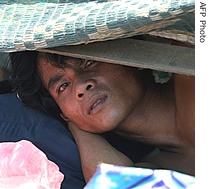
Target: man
96,97
18,122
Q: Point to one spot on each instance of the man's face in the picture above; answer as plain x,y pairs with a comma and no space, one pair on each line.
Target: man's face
95,96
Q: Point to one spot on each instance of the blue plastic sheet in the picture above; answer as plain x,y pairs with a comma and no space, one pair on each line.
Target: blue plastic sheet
110,176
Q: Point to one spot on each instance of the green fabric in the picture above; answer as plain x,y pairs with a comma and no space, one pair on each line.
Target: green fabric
33,24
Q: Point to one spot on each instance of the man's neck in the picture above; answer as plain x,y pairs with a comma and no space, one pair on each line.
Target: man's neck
153,120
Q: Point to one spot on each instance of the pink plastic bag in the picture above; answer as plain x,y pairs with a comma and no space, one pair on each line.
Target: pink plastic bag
24,166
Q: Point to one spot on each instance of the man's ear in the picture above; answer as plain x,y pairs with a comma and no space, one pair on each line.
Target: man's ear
64,117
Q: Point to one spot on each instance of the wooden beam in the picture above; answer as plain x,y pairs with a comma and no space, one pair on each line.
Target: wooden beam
136,53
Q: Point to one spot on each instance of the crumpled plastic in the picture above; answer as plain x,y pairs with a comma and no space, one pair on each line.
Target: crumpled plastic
109,176
24,166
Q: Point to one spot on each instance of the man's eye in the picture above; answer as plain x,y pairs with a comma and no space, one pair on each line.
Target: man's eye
87,63
63,87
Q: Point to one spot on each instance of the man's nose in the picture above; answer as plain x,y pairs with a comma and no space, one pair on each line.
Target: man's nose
83,87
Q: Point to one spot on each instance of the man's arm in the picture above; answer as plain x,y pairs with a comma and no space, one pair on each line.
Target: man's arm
94,150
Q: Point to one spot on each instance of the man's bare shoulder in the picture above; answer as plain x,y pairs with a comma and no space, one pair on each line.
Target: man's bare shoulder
184,88
184,79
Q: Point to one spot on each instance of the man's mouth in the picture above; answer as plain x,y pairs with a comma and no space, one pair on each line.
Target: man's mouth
97,105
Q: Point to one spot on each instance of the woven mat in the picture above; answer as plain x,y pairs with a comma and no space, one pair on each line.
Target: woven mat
35,24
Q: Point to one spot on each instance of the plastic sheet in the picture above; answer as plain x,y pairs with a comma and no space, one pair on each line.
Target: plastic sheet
111,176
24,166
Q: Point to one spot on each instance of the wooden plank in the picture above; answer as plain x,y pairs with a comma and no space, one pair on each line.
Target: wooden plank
137,53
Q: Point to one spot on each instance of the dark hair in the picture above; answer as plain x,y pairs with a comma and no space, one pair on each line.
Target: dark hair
26,81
